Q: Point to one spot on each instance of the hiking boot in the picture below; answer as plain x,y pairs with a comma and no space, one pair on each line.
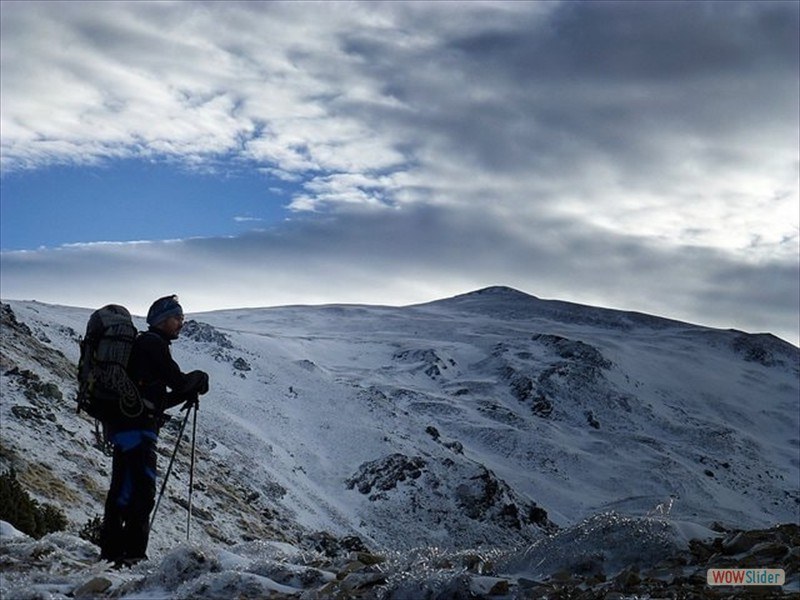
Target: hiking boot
127,563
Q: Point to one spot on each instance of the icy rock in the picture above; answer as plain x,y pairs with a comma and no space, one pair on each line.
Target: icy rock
295,576
366,558
8,532
489,586
182,564
604,543
233,584
90,589
360,581
484,496
9,319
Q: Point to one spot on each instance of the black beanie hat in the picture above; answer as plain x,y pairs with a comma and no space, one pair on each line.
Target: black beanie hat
164,308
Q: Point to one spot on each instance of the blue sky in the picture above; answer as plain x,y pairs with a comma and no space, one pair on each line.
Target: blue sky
131,200
634,155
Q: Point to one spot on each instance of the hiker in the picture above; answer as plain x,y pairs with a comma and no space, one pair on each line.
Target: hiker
131,496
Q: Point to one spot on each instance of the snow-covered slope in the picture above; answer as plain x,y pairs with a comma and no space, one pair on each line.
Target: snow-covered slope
574,409
489,419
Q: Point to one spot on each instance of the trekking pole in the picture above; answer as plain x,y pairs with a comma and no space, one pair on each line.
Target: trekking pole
191,470
169,469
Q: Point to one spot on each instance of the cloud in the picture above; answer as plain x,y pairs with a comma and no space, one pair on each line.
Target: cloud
642,117
422,254
647,151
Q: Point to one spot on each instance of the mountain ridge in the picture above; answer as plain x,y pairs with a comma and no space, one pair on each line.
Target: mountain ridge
551,308
403,427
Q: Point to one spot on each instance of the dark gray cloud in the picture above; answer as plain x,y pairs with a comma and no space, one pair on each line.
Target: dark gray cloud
593,80
613,42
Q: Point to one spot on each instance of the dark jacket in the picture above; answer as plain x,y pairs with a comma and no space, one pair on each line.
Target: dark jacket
153,370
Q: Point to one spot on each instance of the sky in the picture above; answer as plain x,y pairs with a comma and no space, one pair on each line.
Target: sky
634,155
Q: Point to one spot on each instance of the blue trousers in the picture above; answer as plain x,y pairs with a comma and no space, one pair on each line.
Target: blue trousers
126,526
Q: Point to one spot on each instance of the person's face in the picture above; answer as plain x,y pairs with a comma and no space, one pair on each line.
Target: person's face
172,326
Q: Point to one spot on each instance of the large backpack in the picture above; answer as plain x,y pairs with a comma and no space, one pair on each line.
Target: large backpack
105,391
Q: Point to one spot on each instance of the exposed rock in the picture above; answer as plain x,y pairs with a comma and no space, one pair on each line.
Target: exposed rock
521,387
590,418
31,413
197,512
19,341
765,349
34,388
219,342
331,546
428,360
542,406
202,332
565,372
384,474
9,319
241,364
484,497
573,350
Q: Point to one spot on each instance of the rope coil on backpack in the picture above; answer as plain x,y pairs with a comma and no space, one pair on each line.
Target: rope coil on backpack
115,379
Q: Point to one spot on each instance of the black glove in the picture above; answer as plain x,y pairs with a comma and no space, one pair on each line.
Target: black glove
196,384
202,382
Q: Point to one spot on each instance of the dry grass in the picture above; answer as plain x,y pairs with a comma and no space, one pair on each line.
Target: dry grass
40,480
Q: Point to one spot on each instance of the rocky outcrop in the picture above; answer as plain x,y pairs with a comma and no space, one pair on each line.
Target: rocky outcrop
573,350
453,495
552,377
484,497
221,347
427,360
385,474
205,333
19,343
766,350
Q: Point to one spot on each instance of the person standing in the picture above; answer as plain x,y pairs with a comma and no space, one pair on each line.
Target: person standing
162,385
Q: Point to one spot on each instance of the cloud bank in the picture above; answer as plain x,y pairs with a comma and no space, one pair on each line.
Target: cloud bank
423,254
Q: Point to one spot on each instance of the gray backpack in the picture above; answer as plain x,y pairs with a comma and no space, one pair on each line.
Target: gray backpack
105,391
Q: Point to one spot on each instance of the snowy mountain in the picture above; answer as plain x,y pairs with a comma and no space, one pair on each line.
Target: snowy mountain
492,422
